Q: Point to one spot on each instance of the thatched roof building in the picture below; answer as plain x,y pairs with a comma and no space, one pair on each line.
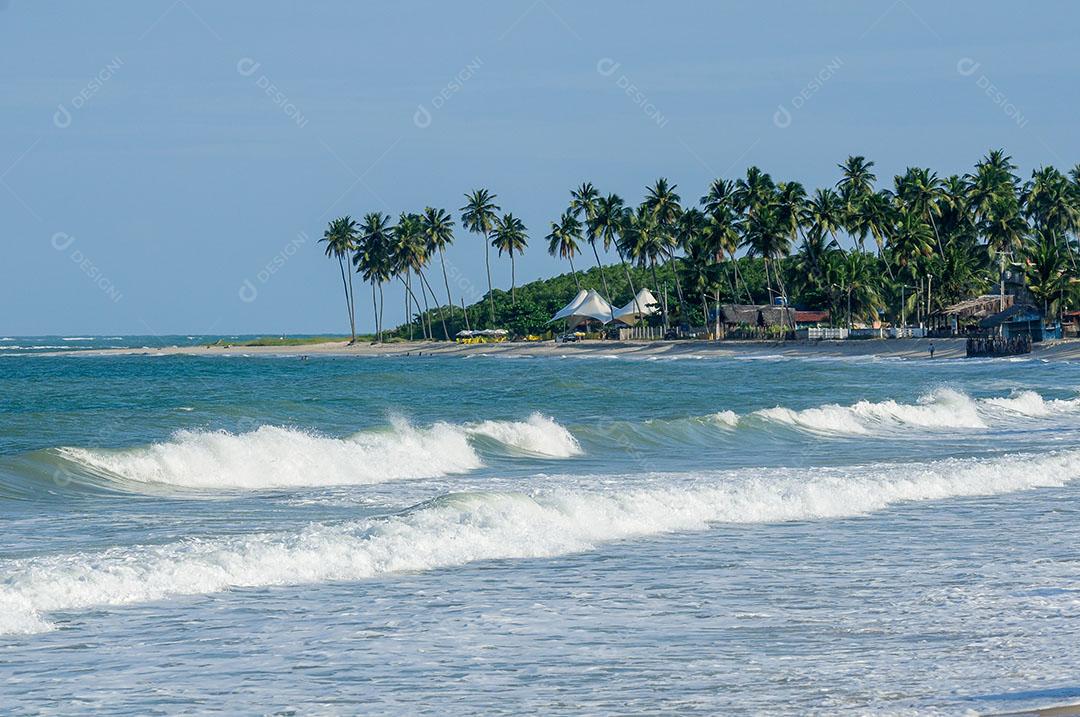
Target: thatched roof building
757,315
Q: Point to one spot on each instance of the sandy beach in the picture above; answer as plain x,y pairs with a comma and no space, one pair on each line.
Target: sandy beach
879,348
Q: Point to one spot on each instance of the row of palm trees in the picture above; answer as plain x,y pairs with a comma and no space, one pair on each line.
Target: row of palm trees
934,240
382,252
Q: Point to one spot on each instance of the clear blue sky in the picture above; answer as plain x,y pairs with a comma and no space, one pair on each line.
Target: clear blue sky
146,173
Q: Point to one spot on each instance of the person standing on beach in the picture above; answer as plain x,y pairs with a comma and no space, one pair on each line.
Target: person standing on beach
931,349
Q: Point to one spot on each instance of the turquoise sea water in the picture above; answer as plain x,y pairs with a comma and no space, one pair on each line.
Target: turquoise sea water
430,535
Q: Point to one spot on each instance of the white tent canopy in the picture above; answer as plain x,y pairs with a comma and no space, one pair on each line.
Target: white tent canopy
593,307
568,310
642,305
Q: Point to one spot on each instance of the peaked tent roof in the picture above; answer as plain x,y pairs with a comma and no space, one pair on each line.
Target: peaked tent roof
593,307
642,305
568,310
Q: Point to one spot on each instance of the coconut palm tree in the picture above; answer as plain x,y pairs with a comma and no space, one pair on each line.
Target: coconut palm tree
410,227
754,192
340,237
640,240
764,235
373,260
408,256
607,223
861,284
920,189
721,234
438,231
563,241
1003,226
719,196
855,187
478,216
1049,201
583,205
992,182
662,200
857,178
911,242
700,269
1046,266
510,238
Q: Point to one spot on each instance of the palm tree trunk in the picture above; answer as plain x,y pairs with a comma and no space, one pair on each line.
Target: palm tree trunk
408,314
577,283
420,316
630,281
783,292
663,306
513,281
717,334
382,308
446,282
352,308
704,312
746,287
678,285
603,278
937,237
465,312
426,316
438,308
374,310
491,291
345,286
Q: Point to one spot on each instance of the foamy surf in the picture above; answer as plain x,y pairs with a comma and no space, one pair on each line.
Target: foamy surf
942,409
538,435
1031,404
461,528
277,457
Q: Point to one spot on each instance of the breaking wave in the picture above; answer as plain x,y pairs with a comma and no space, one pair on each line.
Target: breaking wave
942,409
538,436
1029,403
460,528
277,457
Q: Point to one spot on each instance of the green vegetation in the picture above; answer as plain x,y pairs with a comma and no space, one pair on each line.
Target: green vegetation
753,240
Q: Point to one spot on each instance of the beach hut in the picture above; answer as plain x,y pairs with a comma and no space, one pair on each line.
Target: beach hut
641,306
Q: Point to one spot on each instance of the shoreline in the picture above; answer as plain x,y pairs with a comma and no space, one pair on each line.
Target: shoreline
944,349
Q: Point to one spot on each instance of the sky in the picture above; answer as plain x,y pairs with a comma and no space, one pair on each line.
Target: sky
168,166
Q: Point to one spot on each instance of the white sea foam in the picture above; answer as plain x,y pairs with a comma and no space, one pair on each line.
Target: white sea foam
276,457
1029,403
727,419
539,435
944,408
460,528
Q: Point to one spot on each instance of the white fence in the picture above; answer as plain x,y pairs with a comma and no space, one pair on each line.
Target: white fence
816,334
825,334
641,333
906,332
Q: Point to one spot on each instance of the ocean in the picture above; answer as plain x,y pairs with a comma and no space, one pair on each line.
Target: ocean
542,535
